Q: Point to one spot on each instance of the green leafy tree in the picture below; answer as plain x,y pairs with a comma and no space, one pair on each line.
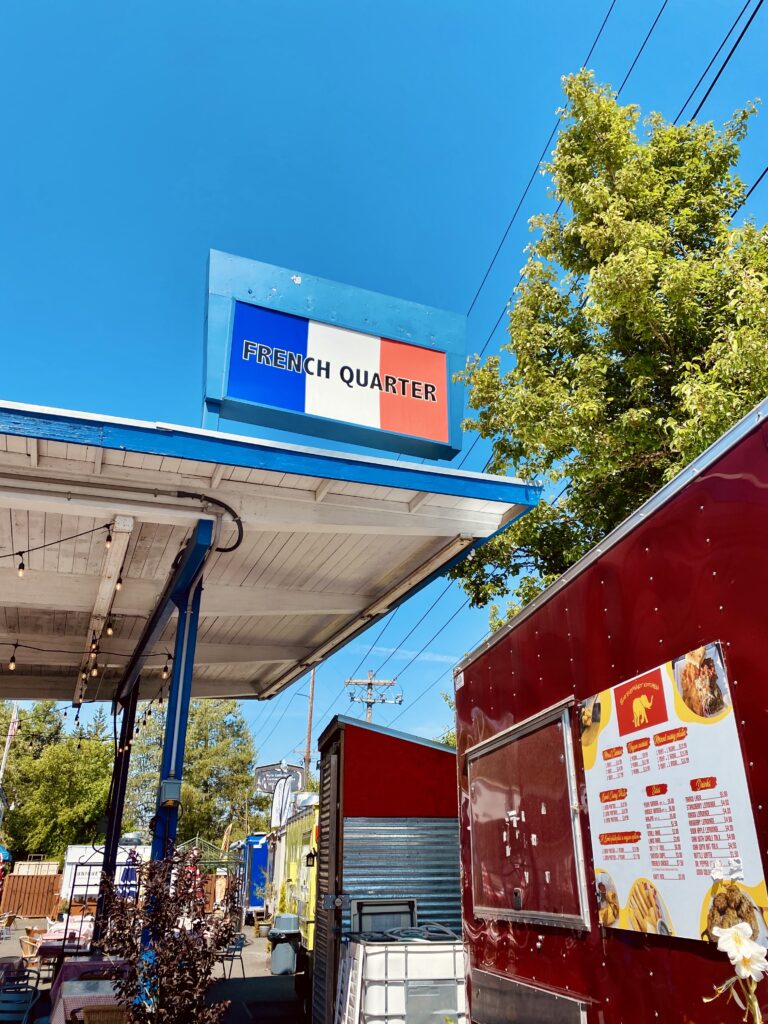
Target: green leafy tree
448,735
62,797
218,772
56,786
637,334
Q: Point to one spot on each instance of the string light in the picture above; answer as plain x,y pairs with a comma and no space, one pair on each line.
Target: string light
166,670
12,662
94,671
119,584
108,541
59,540
110,627
94,643
22,567
83,675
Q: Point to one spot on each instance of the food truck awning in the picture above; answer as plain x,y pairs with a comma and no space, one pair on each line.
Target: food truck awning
330,542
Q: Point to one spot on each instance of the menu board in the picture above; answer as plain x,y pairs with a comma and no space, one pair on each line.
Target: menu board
673,834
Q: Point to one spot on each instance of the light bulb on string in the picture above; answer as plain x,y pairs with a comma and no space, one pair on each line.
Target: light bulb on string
108,541
12,662
110,627
22,567
94,671
83,675
119,584
166,671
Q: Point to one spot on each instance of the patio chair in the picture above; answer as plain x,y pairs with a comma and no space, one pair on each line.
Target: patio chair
20,977
6,924
16,1005
31,959
234,951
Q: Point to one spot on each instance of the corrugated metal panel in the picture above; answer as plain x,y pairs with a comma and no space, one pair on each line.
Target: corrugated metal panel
323,971
405,858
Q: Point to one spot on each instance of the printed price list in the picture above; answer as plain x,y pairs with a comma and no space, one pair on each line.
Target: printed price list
672,755
663,831
614,769
640,761
710,823
628,851
615,812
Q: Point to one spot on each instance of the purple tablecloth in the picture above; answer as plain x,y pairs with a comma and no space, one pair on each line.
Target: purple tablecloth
74,968
74,995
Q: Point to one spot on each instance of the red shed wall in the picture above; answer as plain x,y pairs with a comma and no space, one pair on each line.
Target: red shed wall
389,777
693,572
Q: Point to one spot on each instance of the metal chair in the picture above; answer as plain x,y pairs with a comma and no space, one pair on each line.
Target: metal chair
20,977
16,1005
234,951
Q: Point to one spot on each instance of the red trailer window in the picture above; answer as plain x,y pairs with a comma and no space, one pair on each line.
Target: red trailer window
527,858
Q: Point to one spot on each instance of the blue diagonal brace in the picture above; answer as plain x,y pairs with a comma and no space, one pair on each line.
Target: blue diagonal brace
174,596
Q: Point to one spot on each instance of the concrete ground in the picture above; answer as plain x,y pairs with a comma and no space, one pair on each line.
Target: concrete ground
257,996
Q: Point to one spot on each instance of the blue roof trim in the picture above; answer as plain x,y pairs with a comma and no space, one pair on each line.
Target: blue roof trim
252,453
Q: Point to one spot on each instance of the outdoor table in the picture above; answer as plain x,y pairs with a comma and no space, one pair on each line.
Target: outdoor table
65,941
73,995
76,966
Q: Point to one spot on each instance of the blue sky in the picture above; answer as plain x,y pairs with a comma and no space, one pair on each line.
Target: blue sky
384,145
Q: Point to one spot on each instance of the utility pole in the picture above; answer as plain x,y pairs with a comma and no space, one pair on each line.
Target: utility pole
308,748
371,697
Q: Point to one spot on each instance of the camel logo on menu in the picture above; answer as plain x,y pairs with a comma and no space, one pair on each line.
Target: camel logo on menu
640,703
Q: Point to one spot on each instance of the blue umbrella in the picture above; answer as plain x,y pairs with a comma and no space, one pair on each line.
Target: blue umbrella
5,854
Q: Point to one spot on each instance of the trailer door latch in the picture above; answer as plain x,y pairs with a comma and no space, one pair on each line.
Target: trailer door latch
333,902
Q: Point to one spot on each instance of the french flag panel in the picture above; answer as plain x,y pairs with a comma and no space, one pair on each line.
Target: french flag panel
292,363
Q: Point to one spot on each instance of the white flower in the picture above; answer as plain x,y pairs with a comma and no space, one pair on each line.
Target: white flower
747,957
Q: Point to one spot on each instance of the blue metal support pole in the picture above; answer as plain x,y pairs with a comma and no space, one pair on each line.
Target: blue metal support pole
172,770
186,596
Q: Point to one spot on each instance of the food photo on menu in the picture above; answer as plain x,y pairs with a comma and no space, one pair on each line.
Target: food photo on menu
701,682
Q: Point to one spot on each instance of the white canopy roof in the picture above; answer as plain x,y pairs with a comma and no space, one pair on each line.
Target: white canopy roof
331,542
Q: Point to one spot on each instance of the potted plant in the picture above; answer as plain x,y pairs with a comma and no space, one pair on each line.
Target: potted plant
171,949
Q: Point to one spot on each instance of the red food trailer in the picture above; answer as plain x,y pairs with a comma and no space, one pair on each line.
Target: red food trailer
388,845
613,764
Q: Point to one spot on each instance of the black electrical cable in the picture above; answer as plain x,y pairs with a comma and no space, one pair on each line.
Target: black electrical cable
715,55
726,62
434,604
227,508
533,175
374,642
642,46
756,183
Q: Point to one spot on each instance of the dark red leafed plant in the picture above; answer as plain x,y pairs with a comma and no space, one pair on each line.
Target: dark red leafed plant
170,947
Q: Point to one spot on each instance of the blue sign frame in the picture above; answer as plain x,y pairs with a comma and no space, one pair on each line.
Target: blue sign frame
234,281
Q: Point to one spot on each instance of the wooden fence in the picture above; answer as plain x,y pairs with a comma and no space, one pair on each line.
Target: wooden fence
31,895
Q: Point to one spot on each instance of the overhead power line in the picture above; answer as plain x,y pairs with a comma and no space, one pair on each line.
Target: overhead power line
648,35
715,55
532,178
756,183
727,60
